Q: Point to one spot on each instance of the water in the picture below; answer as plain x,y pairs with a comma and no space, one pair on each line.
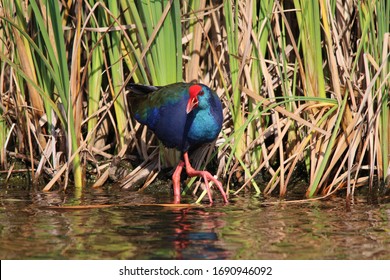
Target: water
245,229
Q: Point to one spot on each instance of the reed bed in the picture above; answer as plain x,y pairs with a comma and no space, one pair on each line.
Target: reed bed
304,84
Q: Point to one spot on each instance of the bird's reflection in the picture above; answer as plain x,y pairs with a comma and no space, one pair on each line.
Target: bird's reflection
195,234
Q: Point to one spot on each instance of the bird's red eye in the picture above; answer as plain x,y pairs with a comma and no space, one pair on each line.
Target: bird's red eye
201,93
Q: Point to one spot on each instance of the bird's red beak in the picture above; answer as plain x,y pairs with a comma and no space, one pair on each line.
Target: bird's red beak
192,103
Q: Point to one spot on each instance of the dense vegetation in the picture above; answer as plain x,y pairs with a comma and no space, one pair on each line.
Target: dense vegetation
304,84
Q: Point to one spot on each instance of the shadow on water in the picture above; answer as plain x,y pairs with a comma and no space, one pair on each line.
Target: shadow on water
245,229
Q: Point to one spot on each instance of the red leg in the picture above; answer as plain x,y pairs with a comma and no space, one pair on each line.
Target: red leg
176,182
191,172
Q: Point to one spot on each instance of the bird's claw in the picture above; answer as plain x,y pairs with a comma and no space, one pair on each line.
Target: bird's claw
207,177
191,172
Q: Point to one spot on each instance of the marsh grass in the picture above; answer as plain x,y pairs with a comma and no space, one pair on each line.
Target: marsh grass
304,85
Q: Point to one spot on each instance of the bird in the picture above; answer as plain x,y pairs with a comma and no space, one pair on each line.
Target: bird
182,116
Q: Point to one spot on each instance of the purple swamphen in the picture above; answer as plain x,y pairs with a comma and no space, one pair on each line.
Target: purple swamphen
182,116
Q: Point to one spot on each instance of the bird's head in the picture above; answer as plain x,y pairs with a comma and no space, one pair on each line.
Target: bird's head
198,97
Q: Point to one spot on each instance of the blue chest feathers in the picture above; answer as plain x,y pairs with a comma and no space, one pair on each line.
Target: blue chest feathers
204,127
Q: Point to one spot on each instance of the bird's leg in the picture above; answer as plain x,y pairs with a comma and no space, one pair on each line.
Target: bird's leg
191,172
176,182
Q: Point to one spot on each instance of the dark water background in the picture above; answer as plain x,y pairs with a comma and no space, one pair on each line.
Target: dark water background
247,228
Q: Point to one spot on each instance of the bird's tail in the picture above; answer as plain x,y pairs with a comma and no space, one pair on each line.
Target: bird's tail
138,89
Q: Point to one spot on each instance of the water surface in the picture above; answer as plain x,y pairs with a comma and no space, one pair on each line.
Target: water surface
247,228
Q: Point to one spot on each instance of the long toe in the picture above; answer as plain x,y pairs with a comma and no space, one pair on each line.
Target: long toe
207,177
218,184
191,172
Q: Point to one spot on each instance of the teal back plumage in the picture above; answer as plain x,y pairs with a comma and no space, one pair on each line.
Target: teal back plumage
147,101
